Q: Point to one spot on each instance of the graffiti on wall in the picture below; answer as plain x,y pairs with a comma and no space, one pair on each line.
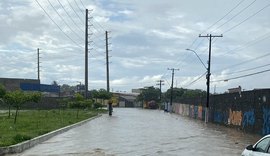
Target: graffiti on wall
195,112
218,116
191,111
235,118
266,121
248,118
200,112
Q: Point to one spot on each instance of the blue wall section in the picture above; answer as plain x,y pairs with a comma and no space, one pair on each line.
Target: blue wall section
266,121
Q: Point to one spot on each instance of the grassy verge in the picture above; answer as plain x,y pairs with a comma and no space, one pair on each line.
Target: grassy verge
33,123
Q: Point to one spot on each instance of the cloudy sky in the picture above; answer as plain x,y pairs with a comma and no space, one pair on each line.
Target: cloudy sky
146,38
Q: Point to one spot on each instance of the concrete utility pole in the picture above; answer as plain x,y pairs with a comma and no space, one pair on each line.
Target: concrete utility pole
208,72
86,55
107,62
38,70
160,83
172,69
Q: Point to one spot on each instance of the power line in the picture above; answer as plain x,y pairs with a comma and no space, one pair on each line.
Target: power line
247,18
79,7
225,14
75,12
251,43
241,11
58,25
244,62
83,4
70,17
238,77
64,20
195,80
244,70
216,22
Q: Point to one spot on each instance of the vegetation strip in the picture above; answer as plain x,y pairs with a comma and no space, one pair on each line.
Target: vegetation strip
30,143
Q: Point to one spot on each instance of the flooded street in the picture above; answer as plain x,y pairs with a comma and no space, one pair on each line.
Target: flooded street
145,133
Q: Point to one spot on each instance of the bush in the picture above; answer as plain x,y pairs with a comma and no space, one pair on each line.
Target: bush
97,105
20,138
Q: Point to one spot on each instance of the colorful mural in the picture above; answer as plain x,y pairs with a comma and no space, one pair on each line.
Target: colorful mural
200,112
235,118
248,118
244,113
266,121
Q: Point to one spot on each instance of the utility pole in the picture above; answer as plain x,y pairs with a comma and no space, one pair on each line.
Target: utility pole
38,70
172,69
160,83
107,61
208,72
86,55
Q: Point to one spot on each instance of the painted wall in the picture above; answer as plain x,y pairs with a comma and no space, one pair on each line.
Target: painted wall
248,111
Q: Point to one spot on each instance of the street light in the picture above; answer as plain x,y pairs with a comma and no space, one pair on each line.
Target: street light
197,57
207,82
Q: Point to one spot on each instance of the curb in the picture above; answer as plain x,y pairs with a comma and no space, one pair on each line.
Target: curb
20,147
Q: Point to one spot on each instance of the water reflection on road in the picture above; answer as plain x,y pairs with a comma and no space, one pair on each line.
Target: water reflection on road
145,133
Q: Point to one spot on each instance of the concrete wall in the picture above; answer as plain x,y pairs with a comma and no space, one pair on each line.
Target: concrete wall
45,103
248,111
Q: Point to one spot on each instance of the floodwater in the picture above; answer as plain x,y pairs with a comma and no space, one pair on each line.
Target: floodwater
141,132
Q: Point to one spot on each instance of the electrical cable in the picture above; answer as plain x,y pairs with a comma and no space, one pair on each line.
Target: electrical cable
241,11
244,62
70,17
64,20
79,8
238,77
186,86
244,70
58,25
246,19
75,12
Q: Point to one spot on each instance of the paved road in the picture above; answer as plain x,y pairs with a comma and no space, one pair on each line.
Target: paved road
144,133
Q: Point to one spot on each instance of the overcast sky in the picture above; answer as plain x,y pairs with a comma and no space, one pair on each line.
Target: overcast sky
146,38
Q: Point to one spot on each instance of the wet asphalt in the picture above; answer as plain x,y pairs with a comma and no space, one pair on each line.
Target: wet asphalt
140,132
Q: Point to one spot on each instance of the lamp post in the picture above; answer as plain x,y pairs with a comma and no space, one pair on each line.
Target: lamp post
198,57
207,82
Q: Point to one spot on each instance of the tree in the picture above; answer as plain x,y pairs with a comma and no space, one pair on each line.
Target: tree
101,94
180,93
149,94
2,92
94,94
34,97
18,98
78,103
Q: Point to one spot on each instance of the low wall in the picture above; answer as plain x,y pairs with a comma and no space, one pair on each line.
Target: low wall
44,103
248,111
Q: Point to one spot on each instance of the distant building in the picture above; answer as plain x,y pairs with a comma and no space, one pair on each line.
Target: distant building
127,99
139,91
12,84
235,90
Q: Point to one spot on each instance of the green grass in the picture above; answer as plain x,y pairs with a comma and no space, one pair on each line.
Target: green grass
33,123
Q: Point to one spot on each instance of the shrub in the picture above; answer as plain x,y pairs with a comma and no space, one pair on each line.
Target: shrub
20,138
97,105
